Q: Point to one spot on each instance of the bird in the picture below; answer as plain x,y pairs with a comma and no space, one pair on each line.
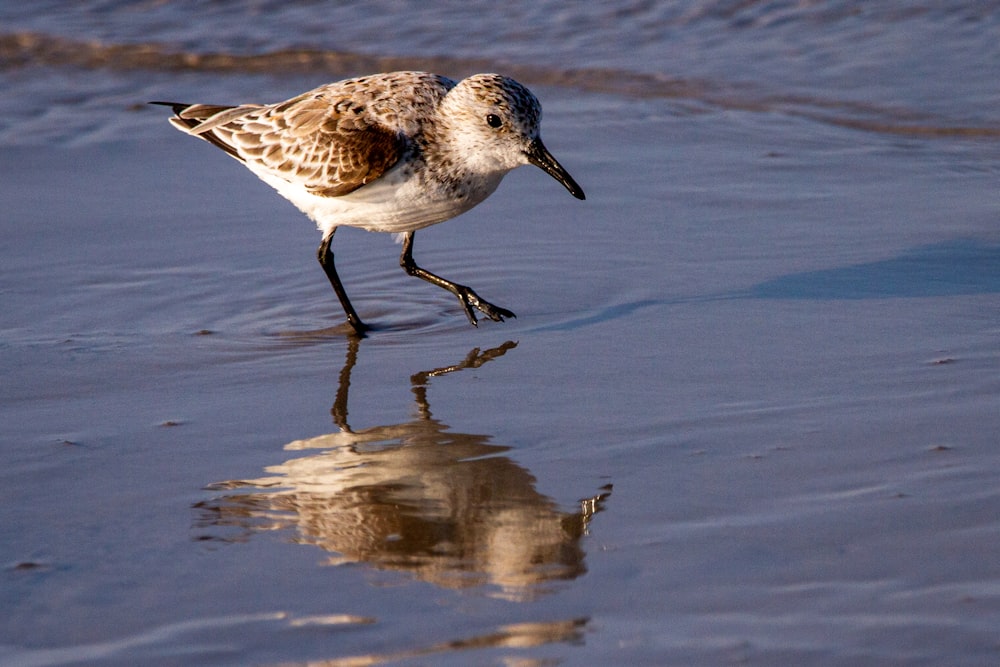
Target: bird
393,152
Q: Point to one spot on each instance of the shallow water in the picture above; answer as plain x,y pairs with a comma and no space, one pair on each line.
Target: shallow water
748,411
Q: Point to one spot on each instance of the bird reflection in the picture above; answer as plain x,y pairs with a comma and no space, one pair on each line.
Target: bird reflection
446,507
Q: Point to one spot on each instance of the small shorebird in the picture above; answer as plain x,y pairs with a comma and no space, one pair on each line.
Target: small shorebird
392,152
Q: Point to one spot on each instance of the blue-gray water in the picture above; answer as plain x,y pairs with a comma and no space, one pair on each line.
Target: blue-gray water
747,414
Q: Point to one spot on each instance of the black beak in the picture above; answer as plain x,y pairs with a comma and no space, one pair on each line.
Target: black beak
540,156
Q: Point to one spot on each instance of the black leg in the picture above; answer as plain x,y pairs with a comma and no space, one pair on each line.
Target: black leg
325,257
466,296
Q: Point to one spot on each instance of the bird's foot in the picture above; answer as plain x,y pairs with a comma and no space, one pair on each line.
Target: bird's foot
359,327
472,302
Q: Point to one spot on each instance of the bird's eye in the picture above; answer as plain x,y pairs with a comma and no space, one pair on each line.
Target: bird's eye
493,120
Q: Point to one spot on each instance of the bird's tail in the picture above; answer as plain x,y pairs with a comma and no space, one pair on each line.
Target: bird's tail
189,118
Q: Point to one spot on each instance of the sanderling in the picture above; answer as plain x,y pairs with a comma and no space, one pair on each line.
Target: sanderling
392,152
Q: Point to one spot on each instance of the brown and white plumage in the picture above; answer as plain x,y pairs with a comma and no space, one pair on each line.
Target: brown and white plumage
389,152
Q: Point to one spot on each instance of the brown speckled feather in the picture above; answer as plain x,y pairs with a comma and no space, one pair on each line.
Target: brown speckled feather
329,146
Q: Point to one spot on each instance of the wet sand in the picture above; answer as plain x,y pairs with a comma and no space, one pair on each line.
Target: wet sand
748,411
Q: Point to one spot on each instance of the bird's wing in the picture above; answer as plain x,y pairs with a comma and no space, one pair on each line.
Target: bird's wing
331,146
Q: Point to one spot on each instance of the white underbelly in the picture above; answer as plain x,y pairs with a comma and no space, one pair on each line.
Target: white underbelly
393,204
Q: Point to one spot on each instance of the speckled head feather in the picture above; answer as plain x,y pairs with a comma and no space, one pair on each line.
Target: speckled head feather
486,124
510,98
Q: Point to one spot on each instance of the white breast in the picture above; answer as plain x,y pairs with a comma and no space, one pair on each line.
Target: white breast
395,203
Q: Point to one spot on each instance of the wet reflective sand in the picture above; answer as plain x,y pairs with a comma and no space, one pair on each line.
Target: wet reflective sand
747,414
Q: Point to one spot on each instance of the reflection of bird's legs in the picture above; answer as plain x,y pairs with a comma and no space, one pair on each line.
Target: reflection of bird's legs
474,359
339,409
